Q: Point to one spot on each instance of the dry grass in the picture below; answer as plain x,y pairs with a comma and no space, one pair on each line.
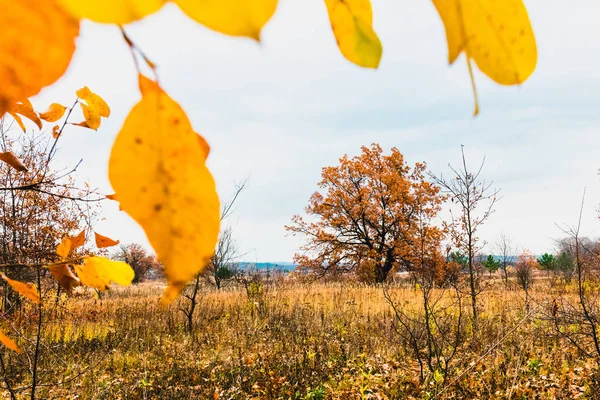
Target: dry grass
292,342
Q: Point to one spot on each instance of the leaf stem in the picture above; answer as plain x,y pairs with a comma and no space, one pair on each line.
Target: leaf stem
474,87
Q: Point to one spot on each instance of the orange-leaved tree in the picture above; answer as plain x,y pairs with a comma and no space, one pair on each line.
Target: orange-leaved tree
372,216
37,207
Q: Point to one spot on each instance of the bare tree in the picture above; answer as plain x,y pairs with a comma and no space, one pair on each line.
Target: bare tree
565,259
475,198
435,332
585,313
221,269
506,254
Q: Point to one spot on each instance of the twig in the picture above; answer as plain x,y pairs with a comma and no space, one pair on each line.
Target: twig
498,343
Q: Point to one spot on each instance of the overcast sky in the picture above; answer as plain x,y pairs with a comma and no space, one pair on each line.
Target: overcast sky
280,111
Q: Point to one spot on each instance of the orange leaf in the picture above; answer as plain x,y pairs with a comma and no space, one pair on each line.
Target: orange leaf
25,109
82,124
103,241
53,113
77,241
65,277
115,198
205,146
24,289
64,248
8,342
12,160
55,131
37,39
18,120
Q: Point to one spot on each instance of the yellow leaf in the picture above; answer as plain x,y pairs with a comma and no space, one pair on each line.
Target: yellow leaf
103,241
8,342
77,241
497,35
98,272
25,109
24,289
65,277
54,112
157,167
111,11
11,159
37,41
94,101
94,108
231,17
352,25
64,248
92,117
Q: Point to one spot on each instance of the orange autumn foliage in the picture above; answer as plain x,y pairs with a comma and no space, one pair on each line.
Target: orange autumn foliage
104,241
373,216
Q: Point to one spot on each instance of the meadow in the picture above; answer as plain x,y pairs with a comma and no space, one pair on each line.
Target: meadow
291,340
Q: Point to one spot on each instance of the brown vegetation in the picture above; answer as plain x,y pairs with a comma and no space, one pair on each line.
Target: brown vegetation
298,341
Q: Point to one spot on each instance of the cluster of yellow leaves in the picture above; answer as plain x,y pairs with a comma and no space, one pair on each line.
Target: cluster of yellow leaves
94,108
231,17
497,35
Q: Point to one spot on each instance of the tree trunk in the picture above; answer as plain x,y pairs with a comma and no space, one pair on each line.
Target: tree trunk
472,278
383,270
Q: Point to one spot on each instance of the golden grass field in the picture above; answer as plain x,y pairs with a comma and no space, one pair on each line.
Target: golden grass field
289,341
